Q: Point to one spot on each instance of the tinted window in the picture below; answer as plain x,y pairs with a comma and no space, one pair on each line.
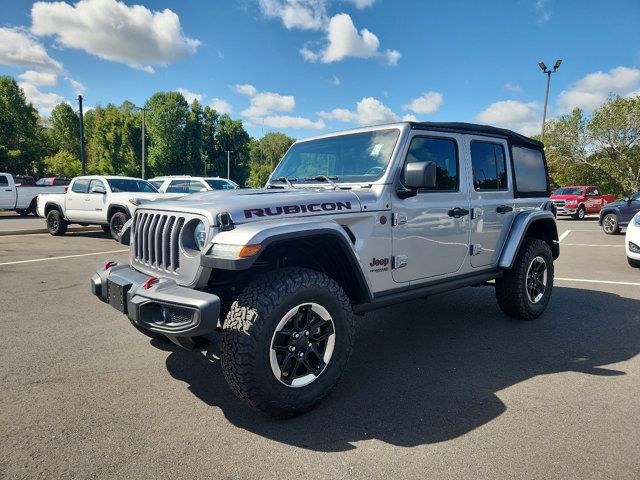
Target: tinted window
178,186
60,182
530,173
196,186
441,151
81,185
3,180
44,182
156,183
95,183
130,185
218,184
489,166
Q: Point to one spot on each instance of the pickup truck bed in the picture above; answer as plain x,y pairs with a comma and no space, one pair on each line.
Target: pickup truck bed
21,199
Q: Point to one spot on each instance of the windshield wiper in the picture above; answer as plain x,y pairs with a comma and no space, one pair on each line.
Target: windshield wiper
286,180
323,178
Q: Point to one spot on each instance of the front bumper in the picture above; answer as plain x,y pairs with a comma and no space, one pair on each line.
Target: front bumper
566,211
160,306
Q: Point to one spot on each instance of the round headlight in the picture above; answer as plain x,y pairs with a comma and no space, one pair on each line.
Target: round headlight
200,235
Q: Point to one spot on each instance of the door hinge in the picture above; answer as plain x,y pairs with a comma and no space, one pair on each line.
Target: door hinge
398,261
398,219
476,213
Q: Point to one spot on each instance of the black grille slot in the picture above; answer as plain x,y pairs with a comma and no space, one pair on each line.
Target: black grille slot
178,315
156,241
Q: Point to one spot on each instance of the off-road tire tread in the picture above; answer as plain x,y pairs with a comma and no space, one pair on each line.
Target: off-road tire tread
240,330
510,293
62,224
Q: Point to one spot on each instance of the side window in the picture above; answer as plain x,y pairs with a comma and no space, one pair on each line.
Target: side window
441,151
60,182
95,183
529,170
195,186
81,185
489,166
3,181
156,183
178,186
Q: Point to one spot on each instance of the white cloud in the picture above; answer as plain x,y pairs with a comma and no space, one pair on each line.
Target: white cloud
190,96
429,102
302,14
368,111
45,79
19,49
78,88
246,89
336,80
114,31
344,41
43,102
409,118
296,123
592,90
522,117
512,87
362,3
541,7
264,103
220,105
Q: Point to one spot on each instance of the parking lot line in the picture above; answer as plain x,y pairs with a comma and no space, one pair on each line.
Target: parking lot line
590,245
63,257
584,280
564,235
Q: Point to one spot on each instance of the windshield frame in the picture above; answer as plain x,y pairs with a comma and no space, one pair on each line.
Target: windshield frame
109,180
388,170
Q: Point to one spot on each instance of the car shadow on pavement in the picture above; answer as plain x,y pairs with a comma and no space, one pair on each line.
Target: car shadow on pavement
428,371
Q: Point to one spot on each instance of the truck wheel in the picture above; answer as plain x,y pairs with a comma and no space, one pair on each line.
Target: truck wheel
580,213
22,212
524,291
116,223
610,224
286,340
633,263
33,208
106,229
55,223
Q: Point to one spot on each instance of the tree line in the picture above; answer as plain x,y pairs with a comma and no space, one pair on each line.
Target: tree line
600,149
180,139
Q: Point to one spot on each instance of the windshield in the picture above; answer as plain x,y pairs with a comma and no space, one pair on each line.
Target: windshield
355,157
568,191
218,184
130,185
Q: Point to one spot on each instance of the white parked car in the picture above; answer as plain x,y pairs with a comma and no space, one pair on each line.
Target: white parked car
632,241
97,200
186,184
21,199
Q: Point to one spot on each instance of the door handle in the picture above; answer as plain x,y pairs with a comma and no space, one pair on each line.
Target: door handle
504,209
458,212
8,190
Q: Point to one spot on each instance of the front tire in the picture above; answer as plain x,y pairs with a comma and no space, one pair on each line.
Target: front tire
524,291
116,223
610,224
287,340
580,213
56,224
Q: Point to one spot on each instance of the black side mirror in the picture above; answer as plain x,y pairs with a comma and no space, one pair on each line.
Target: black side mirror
420,175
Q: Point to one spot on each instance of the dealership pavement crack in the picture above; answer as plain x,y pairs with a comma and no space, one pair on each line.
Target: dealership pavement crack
62,257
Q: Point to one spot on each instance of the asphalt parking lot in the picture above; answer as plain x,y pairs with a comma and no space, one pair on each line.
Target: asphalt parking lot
446,387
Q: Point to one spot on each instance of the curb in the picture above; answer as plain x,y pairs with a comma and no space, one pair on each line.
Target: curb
44,230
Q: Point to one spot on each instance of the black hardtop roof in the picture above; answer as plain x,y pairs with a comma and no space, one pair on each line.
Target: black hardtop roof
474,128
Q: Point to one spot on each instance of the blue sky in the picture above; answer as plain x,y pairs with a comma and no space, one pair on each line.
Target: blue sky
310,66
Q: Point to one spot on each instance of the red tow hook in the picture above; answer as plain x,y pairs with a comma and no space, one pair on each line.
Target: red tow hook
150,281
109,264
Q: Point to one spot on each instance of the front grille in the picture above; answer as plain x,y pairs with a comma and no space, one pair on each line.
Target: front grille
156,240
559,203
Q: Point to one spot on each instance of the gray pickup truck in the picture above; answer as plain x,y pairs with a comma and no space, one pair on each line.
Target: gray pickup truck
348,222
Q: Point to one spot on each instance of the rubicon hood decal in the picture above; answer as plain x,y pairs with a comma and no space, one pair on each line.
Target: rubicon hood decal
294,209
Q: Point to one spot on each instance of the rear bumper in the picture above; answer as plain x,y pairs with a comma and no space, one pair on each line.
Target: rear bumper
164,307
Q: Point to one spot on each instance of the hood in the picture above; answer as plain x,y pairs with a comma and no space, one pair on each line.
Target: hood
565,197
247,205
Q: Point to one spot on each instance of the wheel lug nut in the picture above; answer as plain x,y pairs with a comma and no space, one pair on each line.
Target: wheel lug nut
292,348
296,335
300,354
306,333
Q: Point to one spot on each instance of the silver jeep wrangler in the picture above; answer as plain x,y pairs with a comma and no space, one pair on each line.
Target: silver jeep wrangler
348,222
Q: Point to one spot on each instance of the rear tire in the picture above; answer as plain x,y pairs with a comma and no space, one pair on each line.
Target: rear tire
633,263
22,212
524,291
56,224
106,229
610,224
116,223
287,340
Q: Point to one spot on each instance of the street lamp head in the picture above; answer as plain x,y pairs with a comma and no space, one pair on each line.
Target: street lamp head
557,65
542,66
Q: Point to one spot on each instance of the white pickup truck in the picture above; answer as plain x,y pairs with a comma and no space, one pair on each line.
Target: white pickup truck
21,199
97,200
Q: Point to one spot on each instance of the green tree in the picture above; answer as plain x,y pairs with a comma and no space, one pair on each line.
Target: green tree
208,145
21,139
166,122
63,164
193,136
264,155
232,136
65,129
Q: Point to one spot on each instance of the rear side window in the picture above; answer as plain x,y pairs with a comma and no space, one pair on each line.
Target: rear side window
220,184
178,186
156,183
530,173
196,186
81,186
489,166
60,182
3,181
441,151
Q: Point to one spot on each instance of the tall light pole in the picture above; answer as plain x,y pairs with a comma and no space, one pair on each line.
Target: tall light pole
548,72
144,118
229,164
84,168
